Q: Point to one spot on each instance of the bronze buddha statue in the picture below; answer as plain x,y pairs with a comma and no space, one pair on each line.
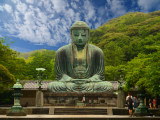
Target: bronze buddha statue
80,66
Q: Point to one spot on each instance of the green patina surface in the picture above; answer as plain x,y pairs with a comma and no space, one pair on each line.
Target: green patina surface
17,109
80,66
141,109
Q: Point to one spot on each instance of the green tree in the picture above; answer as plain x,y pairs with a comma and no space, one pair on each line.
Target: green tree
114,55
143,71
133,31
6,79
53,75
39,61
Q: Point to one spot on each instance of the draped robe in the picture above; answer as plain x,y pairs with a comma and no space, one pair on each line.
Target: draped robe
68,66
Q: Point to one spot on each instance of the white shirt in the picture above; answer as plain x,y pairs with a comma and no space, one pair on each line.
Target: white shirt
128,97
83,98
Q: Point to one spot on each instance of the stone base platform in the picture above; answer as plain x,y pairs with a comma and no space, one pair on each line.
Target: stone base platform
76,117
47,113
71,98
124,111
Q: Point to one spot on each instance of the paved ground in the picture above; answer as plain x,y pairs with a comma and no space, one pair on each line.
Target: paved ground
67,116
110,114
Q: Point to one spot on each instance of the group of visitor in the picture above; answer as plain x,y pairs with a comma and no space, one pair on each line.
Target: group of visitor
134,101
150,103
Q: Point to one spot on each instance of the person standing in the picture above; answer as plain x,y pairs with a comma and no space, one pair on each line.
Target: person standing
129,100
154,103
137,101
150,103
134,101
83,100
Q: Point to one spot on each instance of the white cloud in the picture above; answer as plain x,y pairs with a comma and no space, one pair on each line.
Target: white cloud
16,17
1,8
101,11
89,11
10,28
59,5
39,3
77,17
47,5
7,7
146,5
30,1
69,13
51,16
49,21
21,7
73,4
97,25
34,25
116,8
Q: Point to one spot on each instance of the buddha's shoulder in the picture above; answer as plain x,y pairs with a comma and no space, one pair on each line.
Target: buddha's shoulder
64,48
95,48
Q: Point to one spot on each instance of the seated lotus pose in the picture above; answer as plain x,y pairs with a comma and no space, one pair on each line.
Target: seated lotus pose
80,66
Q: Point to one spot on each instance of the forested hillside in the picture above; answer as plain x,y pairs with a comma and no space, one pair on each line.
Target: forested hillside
28,54
130,42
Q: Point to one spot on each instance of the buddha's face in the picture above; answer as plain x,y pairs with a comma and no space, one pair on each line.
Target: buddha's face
80,36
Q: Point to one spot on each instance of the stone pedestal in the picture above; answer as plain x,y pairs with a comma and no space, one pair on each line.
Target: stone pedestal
16,109
120,99
70,99
39,99
141,110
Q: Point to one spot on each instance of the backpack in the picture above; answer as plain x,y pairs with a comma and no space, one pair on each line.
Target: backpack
130,100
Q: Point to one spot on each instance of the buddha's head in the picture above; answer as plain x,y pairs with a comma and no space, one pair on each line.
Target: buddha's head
80,33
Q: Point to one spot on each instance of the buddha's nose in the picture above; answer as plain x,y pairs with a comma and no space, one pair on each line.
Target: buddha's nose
80,37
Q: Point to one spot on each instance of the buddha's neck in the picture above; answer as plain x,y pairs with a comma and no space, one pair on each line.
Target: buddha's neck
80,47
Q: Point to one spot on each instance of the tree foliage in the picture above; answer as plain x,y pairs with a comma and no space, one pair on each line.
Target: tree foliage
143,71
6,79
114,55
53,74
42,59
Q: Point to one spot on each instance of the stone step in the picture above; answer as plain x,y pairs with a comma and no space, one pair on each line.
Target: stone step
80,111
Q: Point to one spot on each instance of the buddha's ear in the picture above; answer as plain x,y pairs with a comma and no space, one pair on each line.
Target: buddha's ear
71,35
88,34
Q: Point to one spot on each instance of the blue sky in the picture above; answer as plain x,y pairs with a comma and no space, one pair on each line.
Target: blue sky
45,24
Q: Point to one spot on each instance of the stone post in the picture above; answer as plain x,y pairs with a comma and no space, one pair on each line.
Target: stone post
145,101
39,98
120,97
120,100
